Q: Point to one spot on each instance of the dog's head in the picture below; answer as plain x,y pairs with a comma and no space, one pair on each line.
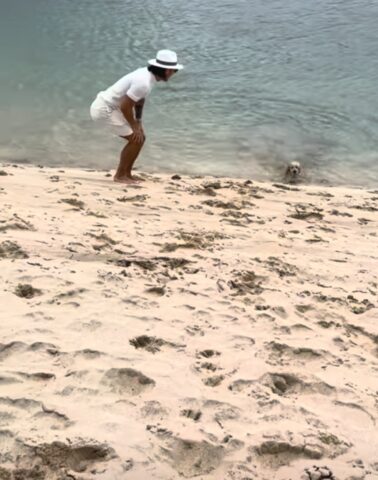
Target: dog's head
293,170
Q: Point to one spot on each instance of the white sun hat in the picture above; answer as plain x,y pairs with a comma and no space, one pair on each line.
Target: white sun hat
166,59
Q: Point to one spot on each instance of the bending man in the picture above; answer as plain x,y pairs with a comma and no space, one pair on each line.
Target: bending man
120,108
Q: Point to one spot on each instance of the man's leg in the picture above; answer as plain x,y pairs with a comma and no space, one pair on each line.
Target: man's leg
128,156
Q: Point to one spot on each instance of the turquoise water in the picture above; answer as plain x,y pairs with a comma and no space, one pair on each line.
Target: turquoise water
265,83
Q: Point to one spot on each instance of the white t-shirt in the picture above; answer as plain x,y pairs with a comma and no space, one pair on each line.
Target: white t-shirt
136,85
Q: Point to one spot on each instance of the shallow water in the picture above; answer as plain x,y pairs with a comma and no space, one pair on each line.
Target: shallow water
265,83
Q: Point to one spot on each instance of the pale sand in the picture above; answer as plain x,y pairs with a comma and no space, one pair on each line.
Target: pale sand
192,327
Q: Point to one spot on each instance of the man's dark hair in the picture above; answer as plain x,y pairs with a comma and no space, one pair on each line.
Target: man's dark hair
158,71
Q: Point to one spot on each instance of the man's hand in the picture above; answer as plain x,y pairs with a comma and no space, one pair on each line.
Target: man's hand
127,107
138,133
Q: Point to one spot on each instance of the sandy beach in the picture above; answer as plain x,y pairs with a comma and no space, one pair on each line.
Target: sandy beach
187,327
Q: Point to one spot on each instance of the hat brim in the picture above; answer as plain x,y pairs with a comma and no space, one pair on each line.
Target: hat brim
157,64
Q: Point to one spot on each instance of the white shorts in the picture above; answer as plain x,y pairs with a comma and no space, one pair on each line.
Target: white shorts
104,114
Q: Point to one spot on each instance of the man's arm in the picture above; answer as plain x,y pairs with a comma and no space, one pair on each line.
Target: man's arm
127,107
139,110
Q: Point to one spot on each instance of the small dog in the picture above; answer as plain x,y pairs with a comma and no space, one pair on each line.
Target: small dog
293,172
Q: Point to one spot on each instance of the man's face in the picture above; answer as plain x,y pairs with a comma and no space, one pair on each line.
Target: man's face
168,73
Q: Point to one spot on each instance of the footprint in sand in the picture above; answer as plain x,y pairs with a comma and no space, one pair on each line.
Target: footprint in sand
277,453
32,414
243,342
7,350
25,290
221,411
287,384
151,344
74,202
208,353
16,223
190,458
11,250
157,290
127,381
89,354
209,367
52,460
283,354
8,380
76,457
104,241
194,330
284,384
213,381
318,473
37,377
359,307
135,198
160,432
192,414
281,449
69,297
154,410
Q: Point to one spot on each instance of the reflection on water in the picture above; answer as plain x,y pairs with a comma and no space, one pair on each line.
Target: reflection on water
265,83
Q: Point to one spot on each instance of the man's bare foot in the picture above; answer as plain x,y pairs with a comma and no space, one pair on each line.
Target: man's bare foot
138,179
127,180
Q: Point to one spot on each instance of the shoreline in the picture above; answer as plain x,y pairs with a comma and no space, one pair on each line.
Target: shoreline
203,327
275,177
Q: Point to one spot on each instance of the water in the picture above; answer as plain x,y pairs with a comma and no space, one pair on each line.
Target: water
265,83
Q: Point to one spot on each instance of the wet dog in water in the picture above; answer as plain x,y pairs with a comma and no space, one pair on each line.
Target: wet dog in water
293,172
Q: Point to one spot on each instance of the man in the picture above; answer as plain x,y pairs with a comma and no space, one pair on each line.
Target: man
120,107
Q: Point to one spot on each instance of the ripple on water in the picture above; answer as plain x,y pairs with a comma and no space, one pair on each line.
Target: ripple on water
263,85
